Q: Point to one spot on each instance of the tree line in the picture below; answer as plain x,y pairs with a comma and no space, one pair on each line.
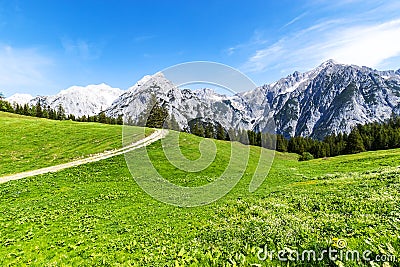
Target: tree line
367,137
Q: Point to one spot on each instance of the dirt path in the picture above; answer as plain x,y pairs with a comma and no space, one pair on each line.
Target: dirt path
157,135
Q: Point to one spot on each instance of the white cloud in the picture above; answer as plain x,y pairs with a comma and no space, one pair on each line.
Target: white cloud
343,40
230,51
22,68
369,45
299,17
256,39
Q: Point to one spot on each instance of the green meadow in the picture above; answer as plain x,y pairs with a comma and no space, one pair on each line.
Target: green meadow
97,215
29,143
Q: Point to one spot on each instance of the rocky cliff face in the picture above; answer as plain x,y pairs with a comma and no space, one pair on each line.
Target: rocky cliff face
76,100
331,98
185,105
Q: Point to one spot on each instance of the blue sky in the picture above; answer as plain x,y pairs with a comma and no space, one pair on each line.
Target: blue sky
46,46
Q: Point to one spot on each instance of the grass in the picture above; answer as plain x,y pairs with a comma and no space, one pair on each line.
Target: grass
29,143
96,215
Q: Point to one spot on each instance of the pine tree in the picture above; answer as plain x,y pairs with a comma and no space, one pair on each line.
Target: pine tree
194,129
60,113
45,113
355,143
281,143
32,111
258,139
52,113
71,117
112,120
19,109
39,112
340,144
296,145
102,117
209,131
198,129
155,115
174,124
120,120
26,110
220,132
251,137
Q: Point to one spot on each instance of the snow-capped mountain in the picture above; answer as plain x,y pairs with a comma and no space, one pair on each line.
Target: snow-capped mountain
184,105
20,99
78,100
331,98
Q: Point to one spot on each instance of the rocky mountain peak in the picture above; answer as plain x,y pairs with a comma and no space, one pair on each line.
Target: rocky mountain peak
330,98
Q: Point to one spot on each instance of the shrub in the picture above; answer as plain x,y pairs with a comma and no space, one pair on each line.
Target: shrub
306,156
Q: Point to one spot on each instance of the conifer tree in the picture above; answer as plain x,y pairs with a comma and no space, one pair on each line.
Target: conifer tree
220,132
60,113
209,131
18,109
26,110
281,143
155,115
251,135
120,120
39,112
111,120
355,143
197,129
174,124
71,117
102,117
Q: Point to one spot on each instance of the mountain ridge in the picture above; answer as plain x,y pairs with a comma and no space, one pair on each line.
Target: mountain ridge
330,98
76,100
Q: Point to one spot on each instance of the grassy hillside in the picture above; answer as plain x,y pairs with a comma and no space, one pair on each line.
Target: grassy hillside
96,214
29,143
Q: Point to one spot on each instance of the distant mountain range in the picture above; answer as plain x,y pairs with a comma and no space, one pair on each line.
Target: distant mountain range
77,100
331,98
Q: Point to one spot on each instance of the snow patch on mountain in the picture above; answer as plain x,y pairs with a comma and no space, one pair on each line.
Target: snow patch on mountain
330,98
81,100
140,83
20,99
207,93
183,104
